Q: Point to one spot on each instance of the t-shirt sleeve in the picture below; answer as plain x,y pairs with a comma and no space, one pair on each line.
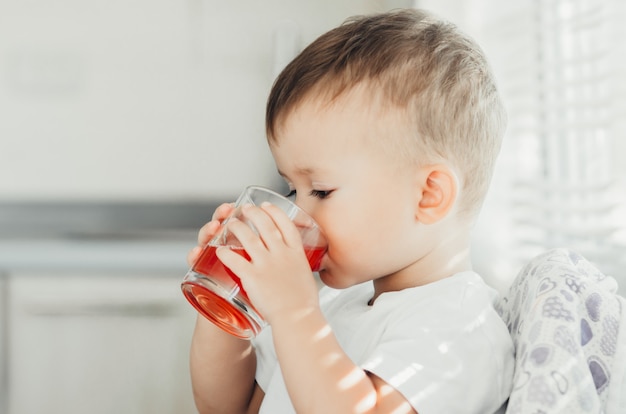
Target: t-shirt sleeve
459,359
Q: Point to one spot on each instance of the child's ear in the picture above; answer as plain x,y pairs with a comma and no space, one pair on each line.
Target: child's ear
437,193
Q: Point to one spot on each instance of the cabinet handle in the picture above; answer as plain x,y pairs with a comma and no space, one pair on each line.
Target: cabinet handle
131,310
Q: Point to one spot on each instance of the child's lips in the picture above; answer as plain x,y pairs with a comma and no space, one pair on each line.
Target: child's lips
323,261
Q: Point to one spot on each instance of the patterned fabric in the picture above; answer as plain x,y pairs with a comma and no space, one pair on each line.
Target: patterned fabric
564,317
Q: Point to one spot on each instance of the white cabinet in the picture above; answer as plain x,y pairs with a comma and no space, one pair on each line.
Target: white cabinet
81,342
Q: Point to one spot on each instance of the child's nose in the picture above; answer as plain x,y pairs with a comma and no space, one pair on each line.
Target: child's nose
305,204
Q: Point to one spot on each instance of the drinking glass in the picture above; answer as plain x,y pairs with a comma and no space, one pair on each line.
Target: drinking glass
216,292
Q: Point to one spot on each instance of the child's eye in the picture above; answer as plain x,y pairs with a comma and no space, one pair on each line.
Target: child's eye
290,194
320,193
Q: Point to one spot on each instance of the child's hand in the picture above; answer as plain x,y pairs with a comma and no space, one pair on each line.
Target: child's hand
209,230
278,277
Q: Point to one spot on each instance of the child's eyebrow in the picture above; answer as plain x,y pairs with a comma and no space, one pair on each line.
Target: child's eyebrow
299,171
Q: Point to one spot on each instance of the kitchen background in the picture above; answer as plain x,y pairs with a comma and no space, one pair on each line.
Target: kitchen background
120,123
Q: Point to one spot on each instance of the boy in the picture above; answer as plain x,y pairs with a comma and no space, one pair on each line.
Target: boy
386,130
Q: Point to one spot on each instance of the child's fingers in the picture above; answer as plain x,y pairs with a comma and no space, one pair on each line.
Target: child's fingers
289,231
265,226
223,211
193,254
207,232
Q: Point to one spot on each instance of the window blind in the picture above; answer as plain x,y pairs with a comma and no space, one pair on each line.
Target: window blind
561,66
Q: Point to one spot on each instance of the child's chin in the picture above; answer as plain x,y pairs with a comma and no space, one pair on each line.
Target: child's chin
331,281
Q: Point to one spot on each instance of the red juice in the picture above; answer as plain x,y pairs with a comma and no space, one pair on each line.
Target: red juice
314,255
220,311
221,297
208,264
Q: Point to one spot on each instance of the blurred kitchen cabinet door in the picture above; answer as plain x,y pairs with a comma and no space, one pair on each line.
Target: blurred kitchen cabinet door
98,344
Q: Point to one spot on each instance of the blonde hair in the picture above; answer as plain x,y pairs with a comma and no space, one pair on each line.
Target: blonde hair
423,65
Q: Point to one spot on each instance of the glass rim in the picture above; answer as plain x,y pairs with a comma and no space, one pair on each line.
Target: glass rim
281,196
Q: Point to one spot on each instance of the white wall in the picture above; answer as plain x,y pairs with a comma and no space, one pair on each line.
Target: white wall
144,99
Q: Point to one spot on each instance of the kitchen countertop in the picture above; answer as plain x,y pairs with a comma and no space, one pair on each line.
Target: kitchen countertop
162,256
109,237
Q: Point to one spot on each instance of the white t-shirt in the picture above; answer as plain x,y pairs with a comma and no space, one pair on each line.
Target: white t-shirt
441,345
